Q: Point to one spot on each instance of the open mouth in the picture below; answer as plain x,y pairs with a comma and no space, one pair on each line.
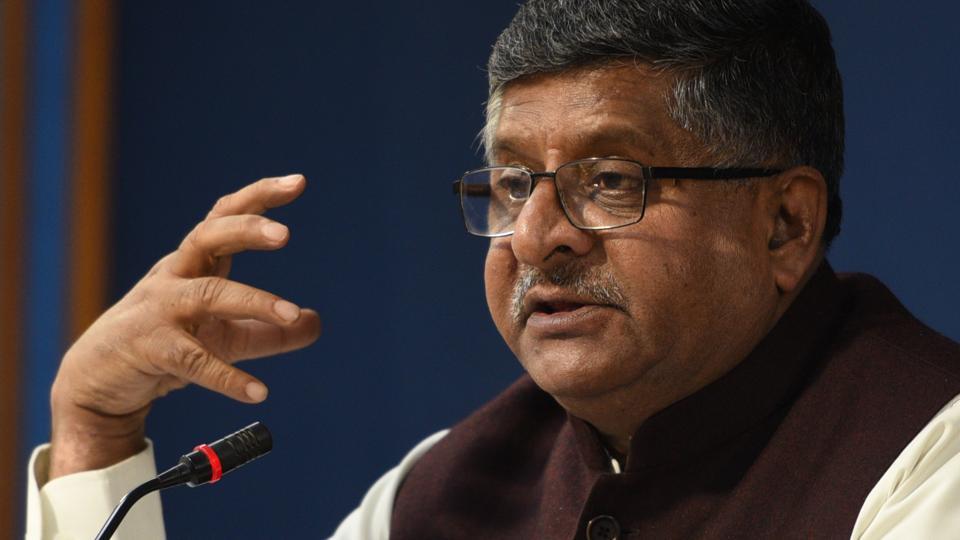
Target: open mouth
550,308
557,307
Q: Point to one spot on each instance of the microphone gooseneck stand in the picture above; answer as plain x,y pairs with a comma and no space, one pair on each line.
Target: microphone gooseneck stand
206,464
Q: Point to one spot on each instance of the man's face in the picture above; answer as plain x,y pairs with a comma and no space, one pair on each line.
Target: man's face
642,315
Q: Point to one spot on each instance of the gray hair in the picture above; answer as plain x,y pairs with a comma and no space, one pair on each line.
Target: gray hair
591,283
756,81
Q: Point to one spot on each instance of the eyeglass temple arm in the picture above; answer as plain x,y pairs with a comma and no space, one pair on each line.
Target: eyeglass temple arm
708,173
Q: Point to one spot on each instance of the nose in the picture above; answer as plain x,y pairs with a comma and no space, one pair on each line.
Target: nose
543,236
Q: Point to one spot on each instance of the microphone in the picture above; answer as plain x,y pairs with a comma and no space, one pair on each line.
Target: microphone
206,464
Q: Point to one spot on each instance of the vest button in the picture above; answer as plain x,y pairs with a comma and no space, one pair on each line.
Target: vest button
603,528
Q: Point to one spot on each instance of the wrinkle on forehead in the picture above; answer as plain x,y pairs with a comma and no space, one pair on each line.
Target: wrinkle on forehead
573,110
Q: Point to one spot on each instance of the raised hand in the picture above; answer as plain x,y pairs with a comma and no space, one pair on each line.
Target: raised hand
184,322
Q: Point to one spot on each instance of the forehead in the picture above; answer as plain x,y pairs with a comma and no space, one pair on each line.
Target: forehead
587,112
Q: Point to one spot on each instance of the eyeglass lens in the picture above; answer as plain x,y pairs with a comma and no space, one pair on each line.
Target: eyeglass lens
594,194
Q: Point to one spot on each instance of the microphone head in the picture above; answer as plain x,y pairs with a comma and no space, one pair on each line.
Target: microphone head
243,446
208,463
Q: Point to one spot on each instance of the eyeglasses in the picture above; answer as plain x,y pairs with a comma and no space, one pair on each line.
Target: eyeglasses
595,193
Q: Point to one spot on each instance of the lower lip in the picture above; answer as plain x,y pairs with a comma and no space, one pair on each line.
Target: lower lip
580,321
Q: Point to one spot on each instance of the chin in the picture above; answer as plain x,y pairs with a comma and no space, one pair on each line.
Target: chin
566,371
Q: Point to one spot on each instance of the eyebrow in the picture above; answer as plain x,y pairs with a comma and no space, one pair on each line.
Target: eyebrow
508,147
617,136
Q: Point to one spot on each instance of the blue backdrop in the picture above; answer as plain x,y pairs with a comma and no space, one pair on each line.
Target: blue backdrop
378,103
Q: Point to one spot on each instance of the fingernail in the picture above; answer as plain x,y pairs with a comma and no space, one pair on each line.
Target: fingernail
256,391
289,180
274,231
287,311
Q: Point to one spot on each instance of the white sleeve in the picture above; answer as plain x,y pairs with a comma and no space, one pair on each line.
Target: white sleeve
76,506
919,495
371,520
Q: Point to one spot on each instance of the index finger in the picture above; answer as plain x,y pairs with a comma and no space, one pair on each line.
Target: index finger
260,196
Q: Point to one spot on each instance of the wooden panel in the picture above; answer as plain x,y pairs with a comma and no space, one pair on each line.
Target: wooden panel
90,163
13,106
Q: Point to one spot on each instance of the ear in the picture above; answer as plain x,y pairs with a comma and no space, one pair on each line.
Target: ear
799,212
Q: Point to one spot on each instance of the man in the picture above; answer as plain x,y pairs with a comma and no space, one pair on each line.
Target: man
662,192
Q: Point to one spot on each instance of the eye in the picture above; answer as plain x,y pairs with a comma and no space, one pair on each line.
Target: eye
515,184
615,181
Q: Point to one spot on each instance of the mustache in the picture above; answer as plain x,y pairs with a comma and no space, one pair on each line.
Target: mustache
596,284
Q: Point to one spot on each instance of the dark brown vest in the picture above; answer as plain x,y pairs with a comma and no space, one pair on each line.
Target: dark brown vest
786,445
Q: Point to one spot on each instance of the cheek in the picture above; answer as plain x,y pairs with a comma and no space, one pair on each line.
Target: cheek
656,281
688,281
708,242
499,275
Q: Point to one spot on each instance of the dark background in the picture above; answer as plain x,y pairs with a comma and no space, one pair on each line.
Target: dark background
379,103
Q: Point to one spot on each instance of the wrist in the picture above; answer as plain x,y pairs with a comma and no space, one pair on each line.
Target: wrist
82,439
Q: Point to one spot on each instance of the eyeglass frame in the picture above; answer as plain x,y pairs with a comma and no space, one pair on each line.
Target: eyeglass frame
648,173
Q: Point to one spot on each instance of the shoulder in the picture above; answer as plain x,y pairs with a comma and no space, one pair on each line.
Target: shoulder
882,375
371,520
881,341
879,374
918,495
905,377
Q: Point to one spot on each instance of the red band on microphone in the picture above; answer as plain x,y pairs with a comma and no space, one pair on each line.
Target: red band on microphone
215,466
